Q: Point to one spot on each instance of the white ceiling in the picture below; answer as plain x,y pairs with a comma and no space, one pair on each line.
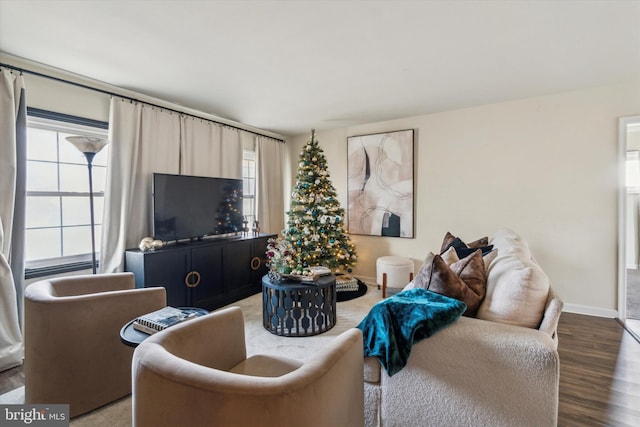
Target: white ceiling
289,66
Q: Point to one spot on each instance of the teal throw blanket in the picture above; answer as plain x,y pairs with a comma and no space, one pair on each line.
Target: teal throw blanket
394,324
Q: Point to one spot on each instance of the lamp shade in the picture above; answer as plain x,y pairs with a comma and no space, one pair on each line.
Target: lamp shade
87,144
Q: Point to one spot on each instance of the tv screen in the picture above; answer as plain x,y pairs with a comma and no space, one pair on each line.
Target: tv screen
189,207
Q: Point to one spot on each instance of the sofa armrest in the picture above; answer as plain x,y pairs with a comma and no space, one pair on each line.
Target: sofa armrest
476,372
551,316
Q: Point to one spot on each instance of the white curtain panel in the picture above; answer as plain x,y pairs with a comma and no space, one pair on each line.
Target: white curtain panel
144,139
11,109
210,149
11,349
11,86
231,153
269,184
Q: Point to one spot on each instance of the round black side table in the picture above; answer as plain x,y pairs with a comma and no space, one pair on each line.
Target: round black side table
295,309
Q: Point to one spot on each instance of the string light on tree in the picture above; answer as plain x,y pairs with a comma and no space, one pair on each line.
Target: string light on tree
315,227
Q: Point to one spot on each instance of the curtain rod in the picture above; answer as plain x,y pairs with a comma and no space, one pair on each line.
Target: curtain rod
128,98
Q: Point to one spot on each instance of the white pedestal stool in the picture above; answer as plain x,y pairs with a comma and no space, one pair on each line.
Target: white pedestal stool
393,272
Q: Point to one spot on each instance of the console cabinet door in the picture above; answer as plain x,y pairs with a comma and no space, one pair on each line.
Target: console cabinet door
237,272
259,261
166,268
206,262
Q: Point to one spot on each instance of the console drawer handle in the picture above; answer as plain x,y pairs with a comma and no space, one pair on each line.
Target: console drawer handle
255,263
192,283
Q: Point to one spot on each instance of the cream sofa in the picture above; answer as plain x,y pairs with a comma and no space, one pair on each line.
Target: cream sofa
485,371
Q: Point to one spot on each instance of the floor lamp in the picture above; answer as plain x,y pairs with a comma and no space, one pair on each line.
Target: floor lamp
89,147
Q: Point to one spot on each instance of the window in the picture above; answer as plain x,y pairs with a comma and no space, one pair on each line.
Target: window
249,185
58,221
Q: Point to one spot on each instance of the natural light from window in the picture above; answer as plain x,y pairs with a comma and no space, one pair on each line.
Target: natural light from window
249,185
58,222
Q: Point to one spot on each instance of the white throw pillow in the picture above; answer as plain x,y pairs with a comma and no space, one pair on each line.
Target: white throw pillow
517,288
508,241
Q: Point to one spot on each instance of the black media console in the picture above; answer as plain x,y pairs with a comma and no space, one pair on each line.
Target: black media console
208,273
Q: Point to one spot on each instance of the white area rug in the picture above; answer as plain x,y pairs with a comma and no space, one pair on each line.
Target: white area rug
259,341
13,397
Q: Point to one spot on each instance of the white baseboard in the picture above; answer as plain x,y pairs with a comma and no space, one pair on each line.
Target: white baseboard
590,311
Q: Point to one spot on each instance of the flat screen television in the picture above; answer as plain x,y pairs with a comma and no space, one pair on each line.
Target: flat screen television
192,207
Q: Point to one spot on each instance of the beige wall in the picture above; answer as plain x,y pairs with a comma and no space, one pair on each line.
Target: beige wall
545,167
65,98
61,97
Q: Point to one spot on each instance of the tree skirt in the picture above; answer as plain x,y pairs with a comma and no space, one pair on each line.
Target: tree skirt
349,295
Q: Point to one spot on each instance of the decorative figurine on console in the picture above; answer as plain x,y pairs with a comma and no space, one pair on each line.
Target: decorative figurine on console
256,227
245,225
149,244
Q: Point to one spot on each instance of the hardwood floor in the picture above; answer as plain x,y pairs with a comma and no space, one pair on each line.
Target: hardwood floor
11,379
599,373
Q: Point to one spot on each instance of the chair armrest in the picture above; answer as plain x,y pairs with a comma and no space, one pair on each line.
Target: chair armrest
54,322
220,337
75,286
92,284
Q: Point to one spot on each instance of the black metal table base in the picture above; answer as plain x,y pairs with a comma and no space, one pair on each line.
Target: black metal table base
295,309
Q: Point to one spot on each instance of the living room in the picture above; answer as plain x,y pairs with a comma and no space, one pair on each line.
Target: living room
520,130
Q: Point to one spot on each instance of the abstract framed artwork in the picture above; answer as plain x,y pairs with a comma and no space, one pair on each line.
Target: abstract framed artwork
380,184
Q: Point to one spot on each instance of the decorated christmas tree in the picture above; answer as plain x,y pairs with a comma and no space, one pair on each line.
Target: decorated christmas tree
228,213
316,220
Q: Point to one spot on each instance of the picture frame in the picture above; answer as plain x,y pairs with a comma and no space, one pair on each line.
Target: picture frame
380,180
